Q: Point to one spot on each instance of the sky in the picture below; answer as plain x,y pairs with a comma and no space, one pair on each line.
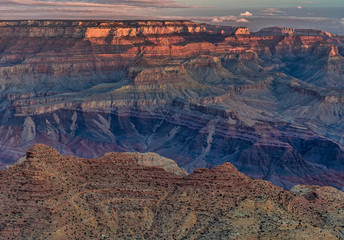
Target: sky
326,15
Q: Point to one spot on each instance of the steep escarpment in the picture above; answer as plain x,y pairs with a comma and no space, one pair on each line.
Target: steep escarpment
194,136
95,29
53,197
269,102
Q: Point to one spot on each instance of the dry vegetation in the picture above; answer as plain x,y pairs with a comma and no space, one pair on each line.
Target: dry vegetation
53,197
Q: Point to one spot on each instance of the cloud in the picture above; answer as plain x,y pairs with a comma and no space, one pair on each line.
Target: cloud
313,19
272,11
307,2
232,18
225,18
94,3
246,14
86,9
335,26
217,20
242,20
143,3
229,19
299,7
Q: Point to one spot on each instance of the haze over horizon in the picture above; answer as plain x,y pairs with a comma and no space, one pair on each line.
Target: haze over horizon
318,14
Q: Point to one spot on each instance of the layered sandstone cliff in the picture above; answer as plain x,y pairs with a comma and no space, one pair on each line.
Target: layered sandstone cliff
269,102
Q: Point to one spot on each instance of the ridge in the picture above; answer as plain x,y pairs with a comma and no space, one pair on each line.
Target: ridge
88,198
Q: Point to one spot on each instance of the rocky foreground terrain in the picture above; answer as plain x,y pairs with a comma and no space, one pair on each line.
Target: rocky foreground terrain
270,102
49,196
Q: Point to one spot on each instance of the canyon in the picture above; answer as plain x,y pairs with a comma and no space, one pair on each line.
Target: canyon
270,102
48,196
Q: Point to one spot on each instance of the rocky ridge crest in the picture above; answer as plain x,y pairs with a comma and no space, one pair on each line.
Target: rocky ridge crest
49,196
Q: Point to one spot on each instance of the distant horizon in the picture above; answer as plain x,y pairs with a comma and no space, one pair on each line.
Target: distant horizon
314,14
144,19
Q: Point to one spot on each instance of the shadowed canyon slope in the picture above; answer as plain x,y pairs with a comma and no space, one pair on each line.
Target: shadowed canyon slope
48,196
271,102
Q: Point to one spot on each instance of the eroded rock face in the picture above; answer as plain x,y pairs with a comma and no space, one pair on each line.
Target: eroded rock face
49,196
270,102
153,159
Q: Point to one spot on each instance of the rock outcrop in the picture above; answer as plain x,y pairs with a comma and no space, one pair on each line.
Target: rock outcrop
155,160
275,31
49,196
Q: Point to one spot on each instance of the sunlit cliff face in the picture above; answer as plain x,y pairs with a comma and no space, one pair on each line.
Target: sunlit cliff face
307,14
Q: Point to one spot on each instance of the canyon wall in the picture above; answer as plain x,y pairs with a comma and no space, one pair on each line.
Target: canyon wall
269,102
